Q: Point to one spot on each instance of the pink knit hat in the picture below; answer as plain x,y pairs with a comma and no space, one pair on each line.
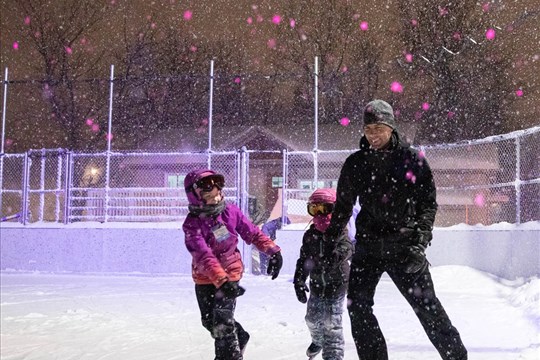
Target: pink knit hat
323,196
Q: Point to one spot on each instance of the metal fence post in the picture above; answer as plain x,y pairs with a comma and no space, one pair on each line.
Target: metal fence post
25,181
517,181
284,185
67,188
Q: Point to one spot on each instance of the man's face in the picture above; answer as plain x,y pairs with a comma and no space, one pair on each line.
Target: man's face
378,135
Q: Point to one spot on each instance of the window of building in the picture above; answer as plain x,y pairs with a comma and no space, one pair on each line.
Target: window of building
277,181
175,180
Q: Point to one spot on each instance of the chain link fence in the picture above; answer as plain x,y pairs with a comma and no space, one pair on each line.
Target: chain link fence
485,181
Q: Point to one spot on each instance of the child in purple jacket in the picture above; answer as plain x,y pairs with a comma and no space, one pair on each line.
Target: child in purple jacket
212,229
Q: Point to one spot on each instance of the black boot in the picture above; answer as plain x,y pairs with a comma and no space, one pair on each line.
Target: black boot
313,350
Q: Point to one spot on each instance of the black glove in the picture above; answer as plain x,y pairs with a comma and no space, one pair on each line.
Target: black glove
301,289
415,259
424,237
230,290
274,265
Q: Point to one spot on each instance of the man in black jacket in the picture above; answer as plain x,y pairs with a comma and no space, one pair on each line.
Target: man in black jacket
395,189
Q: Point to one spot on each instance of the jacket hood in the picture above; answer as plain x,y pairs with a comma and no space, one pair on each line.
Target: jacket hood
191,179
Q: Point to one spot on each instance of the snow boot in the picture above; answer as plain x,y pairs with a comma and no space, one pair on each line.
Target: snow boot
313,350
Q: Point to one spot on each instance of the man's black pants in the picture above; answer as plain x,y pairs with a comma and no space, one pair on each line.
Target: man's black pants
418,290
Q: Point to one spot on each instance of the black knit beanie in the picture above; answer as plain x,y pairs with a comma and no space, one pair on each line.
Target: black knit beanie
379,111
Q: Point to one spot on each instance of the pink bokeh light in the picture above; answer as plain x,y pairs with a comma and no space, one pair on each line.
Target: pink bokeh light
15,45
109,136
249,20
237,80
69,50
271,43
95,127
364,26
519,93
89,121
490,34
410,176
27,20
188,14
408,57
486,7
479,200
426,106
276,19
292,23
414,22
344,121
396,87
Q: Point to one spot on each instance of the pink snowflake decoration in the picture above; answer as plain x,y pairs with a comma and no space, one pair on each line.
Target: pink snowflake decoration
490,34
396,87
345,121
364,26
479,200
408,57
188,14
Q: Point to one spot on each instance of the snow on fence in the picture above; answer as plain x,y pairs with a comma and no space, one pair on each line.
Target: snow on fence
485,181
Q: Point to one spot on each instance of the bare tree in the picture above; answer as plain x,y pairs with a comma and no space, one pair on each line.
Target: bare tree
451,64
58,31
349,61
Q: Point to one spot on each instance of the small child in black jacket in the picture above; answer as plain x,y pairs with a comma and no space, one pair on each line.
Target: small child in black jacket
326,263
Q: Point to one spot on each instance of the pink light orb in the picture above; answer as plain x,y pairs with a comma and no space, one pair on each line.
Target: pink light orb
188,14
396,87
519,93
27,20
490,34
345,121
15,45
344,69
204,122
364,26
457,36
260,18
486,7
83,41
89,121
192,48
292,23
443,11
479,200
276,19
451,114
417,115
109,136
271,43
9,142
426,106
249,20
95,127
237,80
414,22
69,50
421,154
408,57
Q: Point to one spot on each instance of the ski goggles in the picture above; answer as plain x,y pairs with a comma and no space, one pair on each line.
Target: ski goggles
314,209
207,183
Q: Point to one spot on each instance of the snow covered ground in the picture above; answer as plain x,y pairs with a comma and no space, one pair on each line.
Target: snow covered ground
98,317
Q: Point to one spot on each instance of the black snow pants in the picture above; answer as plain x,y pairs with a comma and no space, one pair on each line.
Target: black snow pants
418,290
217,316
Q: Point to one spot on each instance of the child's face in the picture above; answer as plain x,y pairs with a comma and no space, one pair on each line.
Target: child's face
211,197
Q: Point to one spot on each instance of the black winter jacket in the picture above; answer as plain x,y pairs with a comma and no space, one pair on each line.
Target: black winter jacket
325,262
395,189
